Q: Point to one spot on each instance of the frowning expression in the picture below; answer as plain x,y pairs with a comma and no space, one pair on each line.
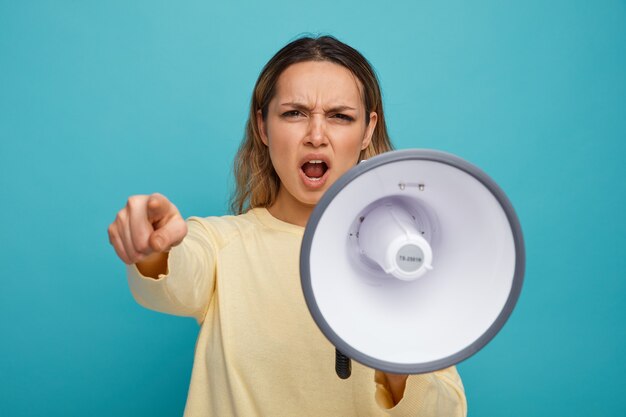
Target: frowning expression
315,128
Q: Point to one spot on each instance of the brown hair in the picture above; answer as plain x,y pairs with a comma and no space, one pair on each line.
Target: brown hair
256,180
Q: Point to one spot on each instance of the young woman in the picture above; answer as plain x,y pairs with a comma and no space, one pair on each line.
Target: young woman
316,110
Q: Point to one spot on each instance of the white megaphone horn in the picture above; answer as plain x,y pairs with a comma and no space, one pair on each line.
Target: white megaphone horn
411,262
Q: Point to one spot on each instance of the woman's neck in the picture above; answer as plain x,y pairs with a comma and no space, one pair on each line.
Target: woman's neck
288,209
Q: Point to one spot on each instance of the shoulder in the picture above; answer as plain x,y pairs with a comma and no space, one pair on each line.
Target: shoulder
223,229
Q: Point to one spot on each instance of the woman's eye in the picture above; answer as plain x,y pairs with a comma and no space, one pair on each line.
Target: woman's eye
292,113
344,117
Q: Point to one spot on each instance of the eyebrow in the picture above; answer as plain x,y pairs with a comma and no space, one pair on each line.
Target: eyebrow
301,106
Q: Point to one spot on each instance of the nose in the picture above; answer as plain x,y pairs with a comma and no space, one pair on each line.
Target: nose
316,135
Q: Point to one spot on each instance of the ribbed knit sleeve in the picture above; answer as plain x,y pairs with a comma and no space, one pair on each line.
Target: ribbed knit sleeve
438,393
187,288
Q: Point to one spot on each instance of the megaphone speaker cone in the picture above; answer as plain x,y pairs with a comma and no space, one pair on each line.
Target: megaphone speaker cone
389,236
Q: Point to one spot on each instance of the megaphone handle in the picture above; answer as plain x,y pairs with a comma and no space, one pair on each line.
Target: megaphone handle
343,365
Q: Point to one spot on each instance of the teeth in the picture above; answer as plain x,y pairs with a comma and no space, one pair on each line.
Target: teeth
314,179
315,161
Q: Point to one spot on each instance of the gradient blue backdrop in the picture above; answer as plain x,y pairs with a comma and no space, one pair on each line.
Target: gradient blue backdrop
101,100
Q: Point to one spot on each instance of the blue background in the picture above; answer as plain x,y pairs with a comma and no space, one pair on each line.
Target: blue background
101,100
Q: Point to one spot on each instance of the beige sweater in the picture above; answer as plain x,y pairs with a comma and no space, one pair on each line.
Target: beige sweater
259,352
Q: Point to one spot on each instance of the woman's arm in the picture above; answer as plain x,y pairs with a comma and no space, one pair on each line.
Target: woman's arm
170,266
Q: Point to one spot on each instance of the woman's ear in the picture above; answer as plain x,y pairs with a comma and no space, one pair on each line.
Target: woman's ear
261,125
369,130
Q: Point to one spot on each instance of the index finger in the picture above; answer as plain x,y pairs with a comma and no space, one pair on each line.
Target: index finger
139,226
158,207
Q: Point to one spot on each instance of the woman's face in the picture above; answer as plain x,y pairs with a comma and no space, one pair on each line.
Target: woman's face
315,130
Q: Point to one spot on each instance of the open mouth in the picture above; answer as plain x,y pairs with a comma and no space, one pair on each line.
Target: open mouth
315,169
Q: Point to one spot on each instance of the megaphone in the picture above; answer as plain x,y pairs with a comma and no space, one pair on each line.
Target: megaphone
411,262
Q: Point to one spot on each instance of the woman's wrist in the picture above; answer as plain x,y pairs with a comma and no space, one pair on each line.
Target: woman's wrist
396,384
153,265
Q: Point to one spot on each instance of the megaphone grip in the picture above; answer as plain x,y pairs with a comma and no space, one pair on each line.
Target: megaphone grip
343,365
